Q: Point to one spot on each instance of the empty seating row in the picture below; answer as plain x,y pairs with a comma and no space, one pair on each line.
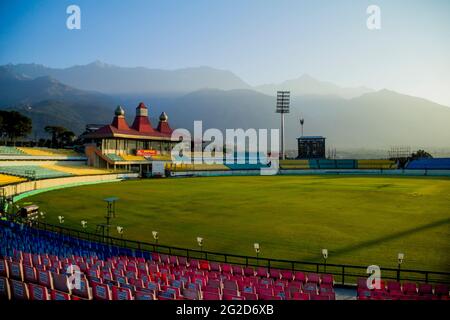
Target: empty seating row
376,164
7,179
81,170
114,157
10,151
32,172
36,261
196,167
294,164
429,164
47,152
162,281
129,157
394,290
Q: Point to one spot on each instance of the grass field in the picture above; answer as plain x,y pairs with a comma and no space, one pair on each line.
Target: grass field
360,220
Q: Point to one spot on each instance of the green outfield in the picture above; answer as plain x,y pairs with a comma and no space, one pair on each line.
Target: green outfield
360,220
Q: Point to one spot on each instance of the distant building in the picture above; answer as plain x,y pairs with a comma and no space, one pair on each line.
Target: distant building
120,146
311,147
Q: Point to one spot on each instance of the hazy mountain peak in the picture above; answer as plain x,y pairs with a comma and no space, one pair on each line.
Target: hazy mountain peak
308,85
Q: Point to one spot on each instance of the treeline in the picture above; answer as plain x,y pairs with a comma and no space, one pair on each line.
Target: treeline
15,128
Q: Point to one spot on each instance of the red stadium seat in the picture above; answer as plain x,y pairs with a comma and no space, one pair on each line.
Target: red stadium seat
232,297
238,270
249,271
100,291
287,275
226,268
327,279
38,292
84,291
300,296
4,270
45,279
5,290
211,296
393,286
441,290
249,296
15,270
313,278
425,289
121,293
409,288
19,290
30,274
61,282
300,276
59,296
141,295
262,272
275,273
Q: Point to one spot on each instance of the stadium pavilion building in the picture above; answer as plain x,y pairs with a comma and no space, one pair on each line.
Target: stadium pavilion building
135,148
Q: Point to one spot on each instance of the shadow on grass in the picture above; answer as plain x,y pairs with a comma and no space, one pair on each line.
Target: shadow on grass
393,236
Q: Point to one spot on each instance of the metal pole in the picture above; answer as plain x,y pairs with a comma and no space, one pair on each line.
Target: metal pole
282,137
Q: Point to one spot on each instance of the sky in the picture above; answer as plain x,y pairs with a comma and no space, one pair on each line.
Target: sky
261,41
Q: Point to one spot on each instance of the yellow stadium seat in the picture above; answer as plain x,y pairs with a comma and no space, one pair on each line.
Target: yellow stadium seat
6,179
294,164
47,152
129,157
376,164
76,170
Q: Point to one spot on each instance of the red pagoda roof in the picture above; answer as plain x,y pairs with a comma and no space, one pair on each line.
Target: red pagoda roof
141,128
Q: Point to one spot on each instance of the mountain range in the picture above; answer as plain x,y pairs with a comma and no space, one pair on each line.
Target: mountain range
348,117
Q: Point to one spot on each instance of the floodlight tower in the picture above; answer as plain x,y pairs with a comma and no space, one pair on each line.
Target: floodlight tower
283,102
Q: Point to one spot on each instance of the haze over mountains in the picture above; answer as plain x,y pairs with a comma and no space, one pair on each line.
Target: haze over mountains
348,117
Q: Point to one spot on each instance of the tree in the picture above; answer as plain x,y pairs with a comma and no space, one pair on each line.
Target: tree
14,125
420,154
60,136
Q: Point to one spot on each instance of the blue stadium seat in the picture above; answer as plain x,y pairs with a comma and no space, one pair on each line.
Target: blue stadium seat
429,164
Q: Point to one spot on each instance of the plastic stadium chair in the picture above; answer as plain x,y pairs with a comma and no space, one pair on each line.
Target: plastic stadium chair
19,290
287,275
5,291
300,276
313,278
327,279
310,288
425,289
211,296
441,290
301,296
141,295
57,295
15,270
394,286
121,293
275,273
45,279
84,291
249,271
238,270
30,274
100,291
409,288
60,282
4,271
38,292
249,296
